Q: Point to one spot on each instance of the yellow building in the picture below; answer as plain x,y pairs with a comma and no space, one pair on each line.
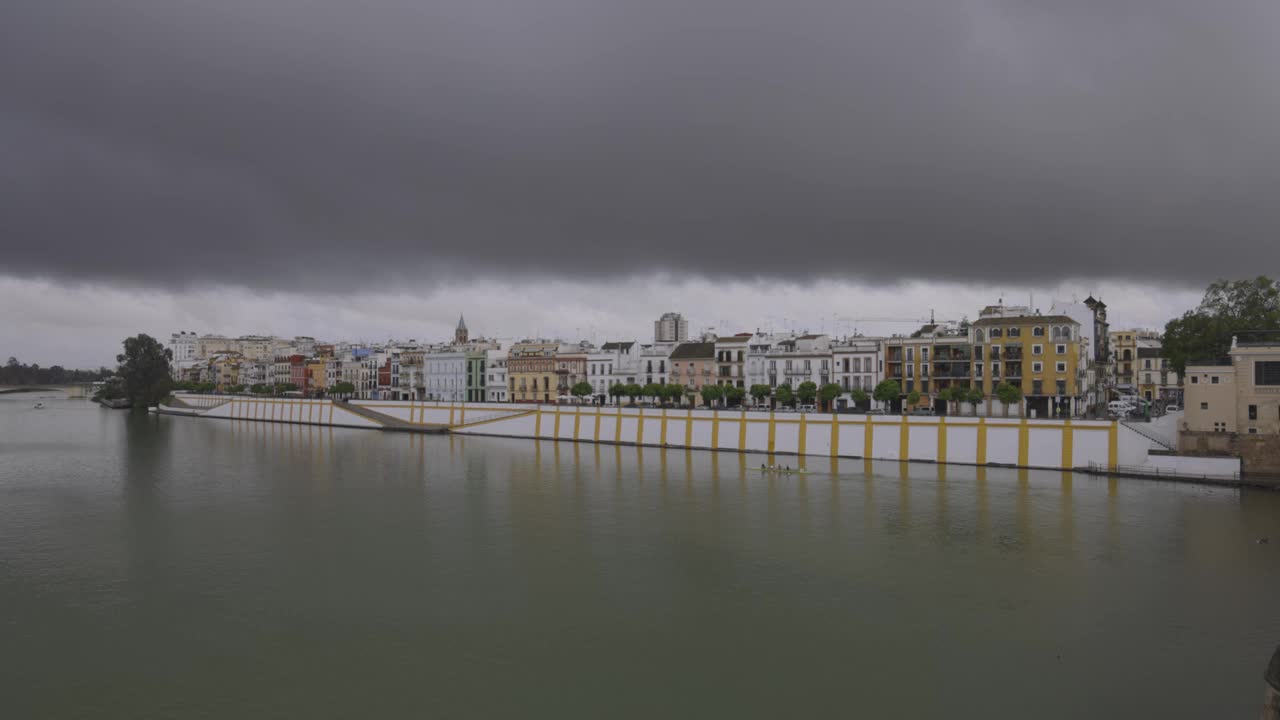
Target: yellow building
1038,353
317,375
225,369
531,371
932,360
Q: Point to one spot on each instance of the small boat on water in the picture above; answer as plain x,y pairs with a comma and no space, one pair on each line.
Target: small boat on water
38,406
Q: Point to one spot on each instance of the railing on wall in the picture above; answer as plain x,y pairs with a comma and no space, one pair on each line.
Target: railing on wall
1158,472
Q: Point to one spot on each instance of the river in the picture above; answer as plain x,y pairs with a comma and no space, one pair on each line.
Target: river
168,567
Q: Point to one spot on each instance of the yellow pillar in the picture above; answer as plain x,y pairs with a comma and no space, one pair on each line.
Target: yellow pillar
801,443
773,432
869,434
1113,445
595,435
980,452
537,422
715,429
835,436
1024,443
462,415
663,435
742,432
688,428
640,428
451,413
617,427
577,423
942,439
555,428
1068,445
904,440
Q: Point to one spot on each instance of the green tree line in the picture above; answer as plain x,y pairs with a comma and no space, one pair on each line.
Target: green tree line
18,373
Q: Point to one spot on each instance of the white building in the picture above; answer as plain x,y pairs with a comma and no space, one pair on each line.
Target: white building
655,363
670,328
183,346
858,363
624,357
495,368
805,358
757,367
445,372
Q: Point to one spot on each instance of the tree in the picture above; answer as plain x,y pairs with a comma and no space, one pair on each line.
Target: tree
1008,395
828,393
1228,309
652,390
807,391
633,391
234,389
672,392
580,389
734,395
617,391
144,367
783,395
342,388
760,392
887,392
860,396
286,387
973,397
955,394
711,393
913,397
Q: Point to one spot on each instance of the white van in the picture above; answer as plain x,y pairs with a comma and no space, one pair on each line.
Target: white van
1119,407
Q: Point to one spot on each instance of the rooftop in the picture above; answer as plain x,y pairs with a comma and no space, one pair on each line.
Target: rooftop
694,351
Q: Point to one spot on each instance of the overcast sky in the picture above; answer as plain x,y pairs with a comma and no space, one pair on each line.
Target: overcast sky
579,166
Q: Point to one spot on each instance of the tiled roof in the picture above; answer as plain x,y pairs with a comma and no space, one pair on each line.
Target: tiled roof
694,351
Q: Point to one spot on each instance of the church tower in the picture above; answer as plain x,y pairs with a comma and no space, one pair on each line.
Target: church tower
460,335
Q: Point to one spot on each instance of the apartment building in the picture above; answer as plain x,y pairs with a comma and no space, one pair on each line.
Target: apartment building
1041,354
731,360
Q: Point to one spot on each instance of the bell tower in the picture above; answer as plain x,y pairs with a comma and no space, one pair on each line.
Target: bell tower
460,335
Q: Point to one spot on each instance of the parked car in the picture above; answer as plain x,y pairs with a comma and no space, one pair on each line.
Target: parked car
1172,408
808,408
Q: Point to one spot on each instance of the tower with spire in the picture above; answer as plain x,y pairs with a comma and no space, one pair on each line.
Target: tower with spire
460,334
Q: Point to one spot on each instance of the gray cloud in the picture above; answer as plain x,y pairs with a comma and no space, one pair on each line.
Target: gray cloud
285,143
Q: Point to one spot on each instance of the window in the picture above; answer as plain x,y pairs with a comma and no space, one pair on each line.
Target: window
1037,387
911,385
977,353
1061,349
1037,349
911,370
1038,331
924,354
1204,406
1015,332
1037,367
978,335
1213,380
995,333
1062,387
1195,379
977,370
1061,367
910,354
1253,412
924,386
1266,372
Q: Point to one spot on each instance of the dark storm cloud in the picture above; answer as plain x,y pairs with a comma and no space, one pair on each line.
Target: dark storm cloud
288,142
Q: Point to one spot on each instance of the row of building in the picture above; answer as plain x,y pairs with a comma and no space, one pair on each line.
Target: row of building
1066,362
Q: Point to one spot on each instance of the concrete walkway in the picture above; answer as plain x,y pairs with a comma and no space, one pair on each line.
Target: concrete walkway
390,422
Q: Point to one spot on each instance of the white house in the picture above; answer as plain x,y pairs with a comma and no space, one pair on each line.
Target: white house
858,364
445,372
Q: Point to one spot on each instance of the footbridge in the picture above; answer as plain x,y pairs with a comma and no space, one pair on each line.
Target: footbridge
74,390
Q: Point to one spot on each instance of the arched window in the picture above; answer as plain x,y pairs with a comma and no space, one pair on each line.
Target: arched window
978,335
1066,332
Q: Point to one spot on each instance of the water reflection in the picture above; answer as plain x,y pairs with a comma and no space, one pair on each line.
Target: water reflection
451,573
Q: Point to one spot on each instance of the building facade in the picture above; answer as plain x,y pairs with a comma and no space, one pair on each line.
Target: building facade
731,360
670,328
1041,354
693,365
531,371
